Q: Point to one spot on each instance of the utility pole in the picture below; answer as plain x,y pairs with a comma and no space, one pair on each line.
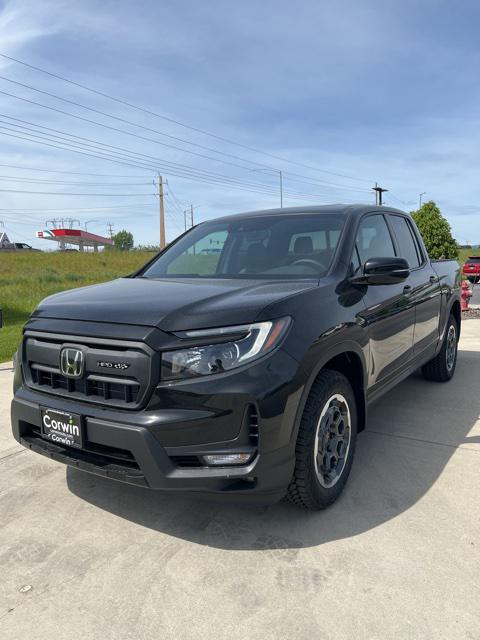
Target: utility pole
110,229
420,198
378,194
162,212
280,176
186,213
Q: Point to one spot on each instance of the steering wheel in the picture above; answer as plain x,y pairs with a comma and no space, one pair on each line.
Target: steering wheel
309,262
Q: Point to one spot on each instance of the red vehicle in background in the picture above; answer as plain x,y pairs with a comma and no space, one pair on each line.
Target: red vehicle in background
471,269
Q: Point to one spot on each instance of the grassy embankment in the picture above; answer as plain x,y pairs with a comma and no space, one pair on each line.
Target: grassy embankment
464,253
27,278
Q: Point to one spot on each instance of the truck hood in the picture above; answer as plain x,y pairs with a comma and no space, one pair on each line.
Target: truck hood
170,304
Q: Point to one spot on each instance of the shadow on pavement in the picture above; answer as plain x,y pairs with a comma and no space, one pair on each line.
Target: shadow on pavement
412,433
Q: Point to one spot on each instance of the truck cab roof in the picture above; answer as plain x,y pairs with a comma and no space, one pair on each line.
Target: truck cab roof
357,210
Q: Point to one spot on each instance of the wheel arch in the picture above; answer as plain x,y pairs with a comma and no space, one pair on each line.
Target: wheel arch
456,312
348,359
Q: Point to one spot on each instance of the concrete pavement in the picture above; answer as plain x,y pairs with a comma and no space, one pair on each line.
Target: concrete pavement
398,557
475,299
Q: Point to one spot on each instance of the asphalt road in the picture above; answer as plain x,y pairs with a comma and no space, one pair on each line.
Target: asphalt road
398,557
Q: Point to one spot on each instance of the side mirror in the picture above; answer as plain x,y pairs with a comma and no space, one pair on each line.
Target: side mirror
383,271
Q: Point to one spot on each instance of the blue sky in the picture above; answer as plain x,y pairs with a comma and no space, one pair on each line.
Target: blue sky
338,94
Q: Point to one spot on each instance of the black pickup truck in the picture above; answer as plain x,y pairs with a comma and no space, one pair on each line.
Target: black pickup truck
241,360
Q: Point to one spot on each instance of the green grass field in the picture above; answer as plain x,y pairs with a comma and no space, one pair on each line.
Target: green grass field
27,278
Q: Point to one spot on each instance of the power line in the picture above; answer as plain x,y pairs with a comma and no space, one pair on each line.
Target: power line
184,168
177,201
119,206
91,122
62,193
22,237
181,171
76,173
130,152
129,161
107,115
185,171
405,203
112,158
91,184
179,123
295,177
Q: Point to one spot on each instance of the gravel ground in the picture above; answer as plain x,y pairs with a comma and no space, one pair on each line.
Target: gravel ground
471,314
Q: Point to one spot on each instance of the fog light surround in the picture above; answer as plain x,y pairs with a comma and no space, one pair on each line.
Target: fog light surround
227,459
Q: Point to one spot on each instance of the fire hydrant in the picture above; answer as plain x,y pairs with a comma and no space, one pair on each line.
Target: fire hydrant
466,295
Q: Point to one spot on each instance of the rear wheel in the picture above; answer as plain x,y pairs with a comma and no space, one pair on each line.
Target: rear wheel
442,367
326,442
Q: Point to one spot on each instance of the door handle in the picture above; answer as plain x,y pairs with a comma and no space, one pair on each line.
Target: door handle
407,288
433,279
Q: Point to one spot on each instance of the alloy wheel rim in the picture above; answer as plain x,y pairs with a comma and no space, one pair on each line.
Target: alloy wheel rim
332,441
451,350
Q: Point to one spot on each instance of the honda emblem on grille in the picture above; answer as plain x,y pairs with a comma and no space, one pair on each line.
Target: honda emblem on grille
71,362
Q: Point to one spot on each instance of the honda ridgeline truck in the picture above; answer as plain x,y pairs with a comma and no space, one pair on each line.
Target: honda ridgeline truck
241,360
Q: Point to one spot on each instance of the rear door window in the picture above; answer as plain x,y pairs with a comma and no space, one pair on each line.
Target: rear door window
406,243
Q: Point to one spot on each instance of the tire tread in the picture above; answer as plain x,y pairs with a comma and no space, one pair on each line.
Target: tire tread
299,490
436,369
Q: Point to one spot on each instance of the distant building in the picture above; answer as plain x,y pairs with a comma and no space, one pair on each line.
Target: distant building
78,237
4,241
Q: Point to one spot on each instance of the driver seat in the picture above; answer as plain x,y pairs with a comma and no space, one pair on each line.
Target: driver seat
303,246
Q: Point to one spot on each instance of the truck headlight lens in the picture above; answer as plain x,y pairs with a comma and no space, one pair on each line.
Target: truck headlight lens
248,343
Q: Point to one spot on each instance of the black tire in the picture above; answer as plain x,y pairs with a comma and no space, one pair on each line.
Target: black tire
331,395
442,367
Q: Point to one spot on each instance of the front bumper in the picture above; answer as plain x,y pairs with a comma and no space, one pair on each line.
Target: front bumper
160,447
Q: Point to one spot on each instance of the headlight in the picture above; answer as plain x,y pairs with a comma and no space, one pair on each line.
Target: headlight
251,341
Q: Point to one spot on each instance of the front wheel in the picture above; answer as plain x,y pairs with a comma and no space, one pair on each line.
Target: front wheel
326,442
442,367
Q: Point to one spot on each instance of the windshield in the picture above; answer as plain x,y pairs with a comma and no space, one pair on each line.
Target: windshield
268,246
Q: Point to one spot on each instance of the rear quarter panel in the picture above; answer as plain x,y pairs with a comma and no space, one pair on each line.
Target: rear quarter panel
450,277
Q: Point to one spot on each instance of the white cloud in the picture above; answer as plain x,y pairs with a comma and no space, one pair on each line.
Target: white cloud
23,21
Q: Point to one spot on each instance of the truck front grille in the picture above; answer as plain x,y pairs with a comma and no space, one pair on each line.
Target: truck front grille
118,375
124,391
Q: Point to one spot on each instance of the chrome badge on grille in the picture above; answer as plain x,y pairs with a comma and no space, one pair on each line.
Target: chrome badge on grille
104,364
72,362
